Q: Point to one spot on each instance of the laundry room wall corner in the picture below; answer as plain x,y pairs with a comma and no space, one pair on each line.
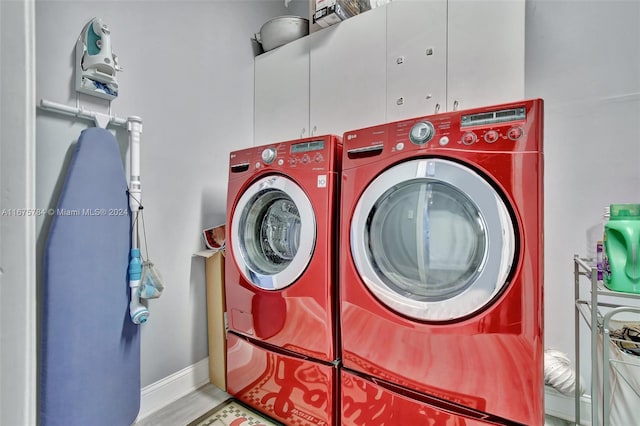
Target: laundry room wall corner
17,227
195,95
584,60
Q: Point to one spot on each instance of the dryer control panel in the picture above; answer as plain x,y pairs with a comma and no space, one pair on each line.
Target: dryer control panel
500,128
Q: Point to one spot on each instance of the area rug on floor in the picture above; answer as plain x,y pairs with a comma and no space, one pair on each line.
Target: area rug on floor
231,413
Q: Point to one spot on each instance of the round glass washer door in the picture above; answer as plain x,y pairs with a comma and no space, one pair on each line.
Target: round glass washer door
274,232
432,240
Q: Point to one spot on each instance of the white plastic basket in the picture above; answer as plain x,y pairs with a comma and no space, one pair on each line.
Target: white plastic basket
624,379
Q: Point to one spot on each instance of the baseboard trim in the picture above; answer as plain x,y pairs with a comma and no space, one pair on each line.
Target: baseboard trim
564,407
165,391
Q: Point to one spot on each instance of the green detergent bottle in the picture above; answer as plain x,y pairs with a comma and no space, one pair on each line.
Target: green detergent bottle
621,263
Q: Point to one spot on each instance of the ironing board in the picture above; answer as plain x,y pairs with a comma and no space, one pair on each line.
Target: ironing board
90,349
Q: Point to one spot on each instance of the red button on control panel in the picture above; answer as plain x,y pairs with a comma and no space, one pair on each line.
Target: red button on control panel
469,138
514,133
491,136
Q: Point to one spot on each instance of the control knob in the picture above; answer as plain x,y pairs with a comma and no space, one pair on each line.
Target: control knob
469,138
514,133
491,136
268,155
421,132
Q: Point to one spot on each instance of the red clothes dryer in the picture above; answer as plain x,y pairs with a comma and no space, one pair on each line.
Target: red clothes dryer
280,277
441,265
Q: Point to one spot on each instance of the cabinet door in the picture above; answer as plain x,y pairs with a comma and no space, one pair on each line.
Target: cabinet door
485,60
282,93
416,58
348,74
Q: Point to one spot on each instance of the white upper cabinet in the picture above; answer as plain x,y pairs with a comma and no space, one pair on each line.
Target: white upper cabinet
409,58
416,58
282,93
348,74
485,52
444,55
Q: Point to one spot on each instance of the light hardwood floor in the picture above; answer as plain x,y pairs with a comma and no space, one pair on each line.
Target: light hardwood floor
190,407
186,409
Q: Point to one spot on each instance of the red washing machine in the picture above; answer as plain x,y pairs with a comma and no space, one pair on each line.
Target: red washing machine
441,269
280,279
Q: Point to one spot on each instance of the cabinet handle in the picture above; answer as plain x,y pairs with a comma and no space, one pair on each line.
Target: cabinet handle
455,105
302,132
437,108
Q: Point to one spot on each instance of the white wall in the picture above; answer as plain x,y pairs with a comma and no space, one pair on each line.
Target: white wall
17,233
193,61
188,72
583,58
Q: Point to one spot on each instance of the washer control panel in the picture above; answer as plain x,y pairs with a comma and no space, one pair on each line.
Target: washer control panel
318,153
307,153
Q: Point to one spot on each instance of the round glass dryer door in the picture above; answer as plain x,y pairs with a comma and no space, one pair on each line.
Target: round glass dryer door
432,240
274,232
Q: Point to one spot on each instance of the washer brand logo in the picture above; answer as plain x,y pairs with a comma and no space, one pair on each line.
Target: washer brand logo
352,136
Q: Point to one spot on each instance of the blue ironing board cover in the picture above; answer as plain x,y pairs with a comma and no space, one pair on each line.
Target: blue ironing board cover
90,349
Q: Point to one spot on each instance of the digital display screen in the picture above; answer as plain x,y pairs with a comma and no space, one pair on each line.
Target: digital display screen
485,118
507,114
307,146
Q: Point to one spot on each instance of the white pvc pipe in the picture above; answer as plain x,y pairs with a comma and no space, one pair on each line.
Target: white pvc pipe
138,312
134,126
101,120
